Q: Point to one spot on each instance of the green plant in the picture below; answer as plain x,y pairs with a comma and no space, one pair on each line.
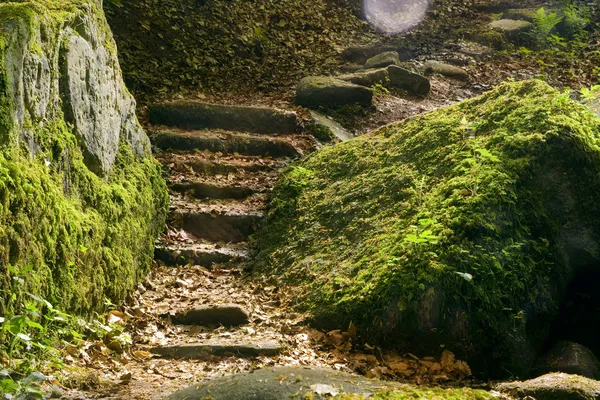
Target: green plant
380,90
591,98
543,24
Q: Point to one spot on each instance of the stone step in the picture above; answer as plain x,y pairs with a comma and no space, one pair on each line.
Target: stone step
205,254
203,350
232,226
197,115
229,143
207,163
216,314
201,189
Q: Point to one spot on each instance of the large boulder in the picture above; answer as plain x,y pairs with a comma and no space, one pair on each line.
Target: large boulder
83,199
314,383
461,227
325,92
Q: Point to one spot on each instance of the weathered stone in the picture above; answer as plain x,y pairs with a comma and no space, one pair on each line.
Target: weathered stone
219,314
404,79
95,101
326,92
334,129
570,358
197,115
438,67
520,14
312,383
227,227
203,350
368,77
383,60
553,387
510,28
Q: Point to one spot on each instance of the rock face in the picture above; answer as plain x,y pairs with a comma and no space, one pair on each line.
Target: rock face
445,229
553,387
571,358
319,91
86,198
312,383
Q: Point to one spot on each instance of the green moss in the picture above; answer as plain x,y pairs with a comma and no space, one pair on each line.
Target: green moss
451,228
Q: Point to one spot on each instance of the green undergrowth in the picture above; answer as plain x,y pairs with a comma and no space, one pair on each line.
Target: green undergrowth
447,229
175,45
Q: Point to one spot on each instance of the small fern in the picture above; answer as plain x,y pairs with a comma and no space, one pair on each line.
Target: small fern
544,23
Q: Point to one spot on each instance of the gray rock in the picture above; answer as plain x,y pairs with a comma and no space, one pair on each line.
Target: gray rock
56,392
412,82
570,358
553,387
383,60
520,14
368,77
438,67
510,28
283,383
334,129
319,91
220,314
202,350
391,77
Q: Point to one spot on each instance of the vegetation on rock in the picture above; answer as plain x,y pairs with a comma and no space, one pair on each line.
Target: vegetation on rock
460,227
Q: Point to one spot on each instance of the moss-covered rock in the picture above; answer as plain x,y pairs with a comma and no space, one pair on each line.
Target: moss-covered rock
81,198
461,227
553,387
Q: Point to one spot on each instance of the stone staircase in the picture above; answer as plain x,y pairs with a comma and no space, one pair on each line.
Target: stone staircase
222,162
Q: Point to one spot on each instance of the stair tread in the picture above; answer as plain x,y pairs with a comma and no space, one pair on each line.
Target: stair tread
221,347
227,142
225,207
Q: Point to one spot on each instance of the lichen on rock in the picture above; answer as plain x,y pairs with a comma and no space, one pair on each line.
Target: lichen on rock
461,227
81,197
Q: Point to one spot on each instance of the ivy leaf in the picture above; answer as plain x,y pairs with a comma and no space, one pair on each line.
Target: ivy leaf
466,276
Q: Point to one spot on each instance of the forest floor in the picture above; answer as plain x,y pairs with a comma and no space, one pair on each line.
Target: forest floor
133,372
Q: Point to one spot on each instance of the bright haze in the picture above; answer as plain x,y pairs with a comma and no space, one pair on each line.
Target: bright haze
394,16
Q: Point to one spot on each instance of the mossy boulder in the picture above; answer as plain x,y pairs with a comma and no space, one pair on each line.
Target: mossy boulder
459,228
81,197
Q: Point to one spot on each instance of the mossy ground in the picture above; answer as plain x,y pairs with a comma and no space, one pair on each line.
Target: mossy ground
425,393
443,229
